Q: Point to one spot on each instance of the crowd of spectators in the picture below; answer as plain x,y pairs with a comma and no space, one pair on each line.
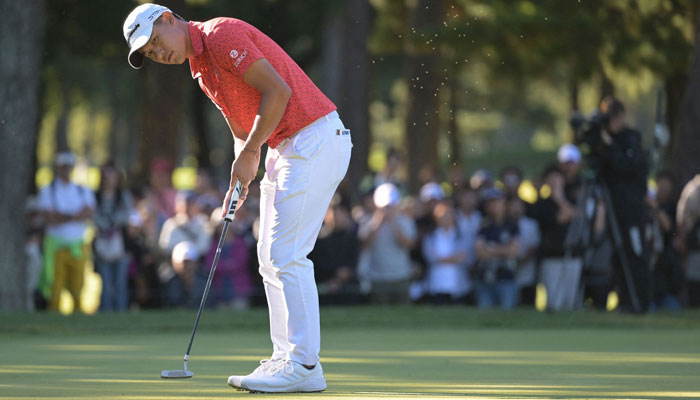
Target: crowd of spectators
457,241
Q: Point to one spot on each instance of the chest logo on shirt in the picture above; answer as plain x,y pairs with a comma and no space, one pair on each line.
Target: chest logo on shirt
233,53
238,61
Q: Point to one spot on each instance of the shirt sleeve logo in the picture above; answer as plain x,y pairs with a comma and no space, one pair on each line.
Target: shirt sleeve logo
233,53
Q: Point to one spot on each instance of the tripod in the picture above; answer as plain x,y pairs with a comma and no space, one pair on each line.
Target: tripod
581,227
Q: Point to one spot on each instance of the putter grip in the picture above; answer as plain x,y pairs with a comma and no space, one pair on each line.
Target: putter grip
234,201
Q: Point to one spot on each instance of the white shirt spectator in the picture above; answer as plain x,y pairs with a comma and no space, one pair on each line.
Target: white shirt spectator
445,278
180,229
388,260
66,198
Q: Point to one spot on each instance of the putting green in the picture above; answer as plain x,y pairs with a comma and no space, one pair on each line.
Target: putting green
367,353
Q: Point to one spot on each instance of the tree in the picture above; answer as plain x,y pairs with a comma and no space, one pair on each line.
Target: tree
422,123
163,93
354,86
20,40
685,162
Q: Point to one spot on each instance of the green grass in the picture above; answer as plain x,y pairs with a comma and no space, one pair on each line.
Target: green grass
420,352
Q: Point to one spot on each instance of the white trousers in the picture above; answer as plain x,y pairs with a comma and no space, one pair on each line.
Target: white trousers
561,278
301,176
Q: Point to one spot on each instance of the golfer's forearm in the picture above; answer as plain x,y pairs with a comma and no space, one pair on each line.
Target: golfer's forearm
272,106
238,145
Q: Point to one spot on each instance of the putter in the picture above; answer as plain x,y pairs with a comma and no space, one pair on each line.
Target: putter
185,373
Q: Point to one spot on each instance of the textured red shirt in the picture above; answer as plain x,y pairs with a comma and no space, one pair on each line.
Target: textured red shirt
224,48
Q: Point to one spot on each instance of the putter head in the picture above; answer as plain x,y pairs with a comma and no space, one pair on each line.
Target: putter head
176,374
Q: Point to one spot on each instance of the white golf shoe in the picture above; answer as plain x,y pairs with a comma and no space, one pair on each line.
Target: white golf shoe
283,376
266,364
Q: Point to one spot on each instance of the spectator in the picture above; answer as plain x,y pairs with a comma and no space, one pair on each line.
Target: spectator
446,255
67,208
481,179
667,269
569,158
529,238
335,255
388,235
497,249
560,272
511,177
161,194
688,223
624,169
209,196
430,194
183,281
141,244
112,213
469,220
188,225
232,284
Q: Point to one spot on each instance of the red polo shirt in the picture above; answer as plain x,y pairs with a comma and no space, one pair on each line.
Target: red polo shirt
224,48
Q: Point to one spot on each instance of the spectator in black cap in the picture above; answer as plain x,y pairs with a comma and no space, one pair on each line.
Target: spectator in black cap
497,248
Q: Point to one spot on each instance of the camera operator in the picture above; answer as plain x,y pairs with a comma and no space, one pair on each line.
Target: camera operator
624,169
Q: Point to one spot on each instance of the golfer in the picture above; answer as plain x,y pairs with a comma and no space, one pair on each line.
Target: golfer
265,97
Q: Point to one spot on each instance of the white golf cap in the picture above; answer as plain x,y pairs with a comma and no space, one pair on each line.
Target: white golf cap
138,28
569,153
184,251
385,195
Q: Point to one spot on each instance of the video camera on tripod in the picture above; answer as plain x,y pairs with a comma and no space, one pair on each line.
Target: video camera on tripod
587,136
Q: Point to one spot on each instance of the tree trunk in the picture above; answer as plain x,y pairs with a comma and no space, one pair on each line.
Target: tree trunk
62,124
332,56
674,94
422,122
607,88
20,40
573,94
452,129
353,107
161,112
685,162
200,104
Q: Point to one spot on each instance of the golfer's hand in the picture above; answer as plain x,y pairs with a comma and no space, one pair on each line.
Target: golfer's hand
243,169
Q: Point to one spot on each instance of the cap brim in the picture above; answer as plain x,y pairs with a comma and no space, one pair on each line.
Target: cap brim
135,57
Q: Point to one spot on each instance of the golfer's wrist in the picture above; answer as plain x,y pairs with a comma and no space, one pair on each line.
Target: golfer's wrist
250,150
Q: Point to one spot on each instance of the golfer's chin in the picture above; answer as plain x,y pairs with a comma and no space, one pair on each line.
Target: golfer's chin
176,59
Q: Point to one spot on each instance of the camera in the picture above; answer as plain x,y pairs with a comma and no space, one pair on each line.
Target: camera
587,130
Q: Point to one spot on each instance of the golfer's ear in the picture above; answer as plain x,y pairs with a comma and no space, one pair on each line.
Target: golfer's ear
167,17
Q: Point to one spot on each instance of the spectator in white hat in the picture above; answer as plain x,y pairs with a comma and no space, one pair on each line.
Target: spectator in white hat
67,208
183,279
569,158
388,237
